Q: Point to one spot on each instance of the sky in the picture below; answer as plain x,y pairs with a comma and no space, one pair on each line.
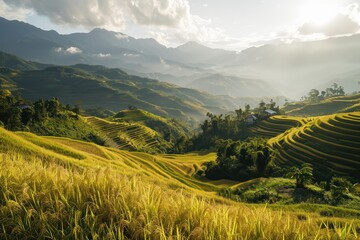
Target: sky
226,24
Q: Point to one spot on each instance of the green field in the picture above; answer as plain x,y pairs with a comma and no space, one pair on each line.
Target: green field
331,143
331,105
58,188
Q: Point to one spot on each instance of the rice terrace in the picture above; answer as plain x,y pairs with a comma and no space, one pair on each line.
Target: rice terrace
186,120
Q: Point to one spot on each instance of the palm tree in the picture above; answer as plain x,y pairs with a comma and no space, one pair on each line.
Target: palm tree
302,175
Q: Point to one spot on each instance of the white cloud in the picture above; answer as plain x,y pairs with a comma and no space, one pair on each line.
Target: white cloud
73,50
110,14
58,49
121,36
130,55
70,50
12,12
347,21
168,21
104,55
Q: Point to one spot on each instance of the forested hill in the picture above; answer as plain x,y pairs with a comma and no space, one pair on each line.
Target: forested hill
113,89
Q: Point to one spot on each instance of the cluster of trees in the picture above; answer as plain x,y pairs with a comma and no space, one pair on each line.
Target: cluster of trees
239,161
315,95
233,127
44,117
219,127
16,113
334,191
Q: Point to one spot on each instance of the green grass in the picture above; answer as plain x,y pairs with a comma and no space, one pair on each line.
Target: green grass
49,193
330,143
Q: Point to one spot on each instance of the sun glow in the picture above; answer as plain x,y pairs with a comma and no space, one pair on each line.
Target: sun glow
319,13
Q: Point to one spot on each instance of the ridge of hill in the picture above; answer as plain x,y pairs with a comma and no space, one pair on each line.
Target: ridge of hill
338,104
110,88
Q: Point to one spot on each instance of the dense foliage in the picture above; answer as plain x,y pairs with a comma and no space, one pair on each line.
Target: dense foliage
315,96
230,126
44,117
238,160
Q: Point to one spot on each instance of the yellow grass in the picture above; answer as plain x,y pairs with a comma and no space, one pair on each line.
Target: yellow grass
47,193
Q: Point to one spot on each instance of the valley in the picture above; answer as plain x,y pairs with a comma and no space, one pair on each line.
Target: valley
154,125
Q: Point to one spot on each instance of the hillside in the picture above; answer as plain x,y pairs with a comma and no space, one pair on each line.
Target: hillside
296,67
330,143
139,130
64,188
114,90
331,105
170,129
129,136
276,125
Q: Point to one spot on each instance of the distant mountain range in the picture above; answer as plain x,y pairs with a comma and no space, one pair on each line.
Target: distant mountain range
286,69
110,88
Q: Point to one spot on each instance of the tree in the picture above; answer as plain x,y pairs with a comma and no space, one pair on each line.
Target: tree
40,110
53,106
339,187
302,175
262,158
14,121
314,95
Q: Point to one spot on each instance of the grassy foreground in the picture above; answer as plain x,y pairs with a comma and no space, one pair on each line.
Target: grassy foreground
54,188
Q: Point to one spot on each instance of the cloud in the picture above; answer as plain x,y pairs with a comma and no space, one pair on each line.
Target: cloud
73,50
110,14
347,21
70,50
12,12
121,36
168,21
104,55
340,25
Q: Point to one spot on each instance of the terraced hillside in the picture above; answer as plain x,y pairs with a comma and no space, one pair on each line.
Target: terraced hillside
129,135
331,143
276,125
170,129
329,106
65,151
68,189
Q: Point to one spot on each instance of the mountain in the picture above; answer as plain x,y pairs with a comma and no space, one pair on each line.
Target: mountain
110,88
219,84
147,57
294,68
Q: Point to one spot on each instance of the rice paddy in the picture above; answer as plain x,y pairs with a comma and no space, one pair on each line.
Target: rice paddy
56,188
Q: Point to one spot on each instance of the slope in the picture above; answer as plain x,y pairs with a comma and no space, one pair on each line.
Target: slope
331,105
129,136
62,188
113,88
330,143
276,125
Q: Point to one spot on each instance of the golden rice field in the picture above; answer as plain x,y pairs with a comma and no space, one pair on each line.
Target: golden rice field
276,125
56,188
127,135
331,143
